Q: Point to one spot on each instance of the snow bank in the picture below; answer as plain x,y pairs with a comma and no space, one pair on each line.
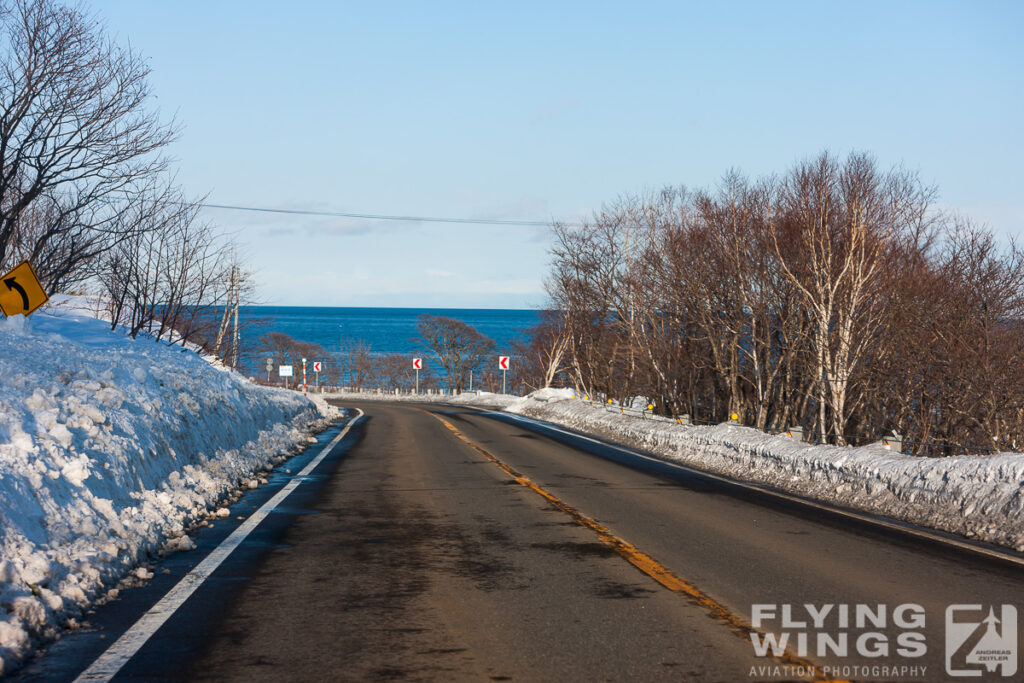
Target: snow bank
977,496
109,449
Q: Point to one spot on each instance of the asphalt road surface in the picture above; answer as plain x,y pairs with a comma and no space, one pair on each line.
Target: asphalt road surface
448,544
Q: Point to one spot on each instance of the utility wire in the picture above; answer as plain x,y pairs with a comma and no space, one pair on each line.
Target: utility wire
379,217
373,216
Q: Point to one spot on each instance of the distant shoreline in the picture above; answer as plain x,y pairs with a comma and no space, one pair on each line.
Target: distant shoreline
384,330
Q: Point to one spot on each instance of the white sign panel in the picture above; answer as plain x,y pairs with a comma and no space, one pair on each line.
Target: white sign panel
417,363
318,367
503,362
284,370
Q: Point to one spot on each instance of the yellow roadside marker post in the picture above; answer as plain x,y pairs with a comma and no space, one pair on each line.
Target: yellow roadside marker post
20,291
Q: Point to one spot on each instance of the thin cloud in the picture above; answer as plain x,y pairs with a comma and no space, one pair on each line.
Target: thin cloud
433,272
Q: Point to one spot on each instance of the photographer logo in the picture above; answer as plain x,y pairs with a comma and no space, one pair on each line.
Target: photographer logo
980,638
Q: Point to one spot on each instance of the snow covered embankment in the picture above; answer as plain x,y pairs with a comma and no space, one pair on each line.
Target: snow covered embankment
977,496
109,448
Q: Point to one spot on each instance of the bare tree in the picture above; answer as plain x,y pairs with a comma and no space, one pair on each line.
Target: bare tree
76,136
169,272
459,348
592,283
129,271
848,215
544,358
395,371
355,363
983,295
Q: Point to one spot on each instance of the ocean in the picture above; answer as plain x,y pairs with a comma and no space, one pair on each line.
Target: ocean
385,330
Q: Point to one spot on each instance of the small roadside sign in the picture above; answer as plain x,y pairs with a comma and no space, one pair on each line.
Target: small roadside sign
20,291
284,370
318,366
417,363
503,366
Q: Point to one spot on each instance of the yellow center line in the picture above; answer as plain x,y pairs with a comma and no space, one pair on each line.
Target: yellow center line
642,561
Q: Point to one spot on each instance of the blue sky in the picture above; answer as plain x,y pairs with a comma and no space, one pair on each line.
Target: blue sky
545,110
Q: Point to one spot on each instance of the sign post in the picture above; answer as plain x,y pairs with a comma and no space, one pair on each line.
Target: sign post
284,371
417,364
20,291
303,374
317,367
503,364
270,366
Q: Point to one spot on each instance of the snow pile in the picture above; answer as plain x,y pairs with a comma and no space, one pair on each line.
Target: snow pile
109,449
977,496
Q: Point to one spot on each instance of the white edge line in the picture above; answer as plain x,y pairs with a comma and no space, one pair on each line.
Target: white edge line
131,641
903,527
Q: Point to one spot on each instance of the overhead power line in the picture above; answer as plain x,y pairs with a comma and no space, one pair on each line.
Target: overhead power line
381,217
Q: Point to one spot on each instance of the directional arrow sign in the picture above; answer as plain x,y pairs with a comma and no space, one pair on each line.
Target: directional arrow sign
417,363
317,366
20,291
503,362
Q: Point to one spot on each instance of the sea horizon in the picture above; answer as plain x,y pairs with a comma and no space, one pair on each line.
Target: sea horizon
383,329
405,308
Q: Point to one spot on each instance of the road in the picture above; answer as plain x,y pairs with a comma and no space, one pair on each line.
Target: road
447,544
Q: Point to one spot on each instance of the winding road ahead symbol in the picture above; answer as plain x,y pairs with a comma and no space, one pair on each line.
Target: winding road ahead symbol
13,285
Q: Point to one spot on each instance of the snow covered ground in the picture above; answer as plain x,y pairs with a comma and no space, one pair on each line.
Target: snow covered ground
110,448
976,496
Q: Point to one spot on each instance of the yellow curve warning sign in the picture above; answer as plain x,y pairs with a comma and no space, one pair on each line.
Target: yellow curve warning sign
20,291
